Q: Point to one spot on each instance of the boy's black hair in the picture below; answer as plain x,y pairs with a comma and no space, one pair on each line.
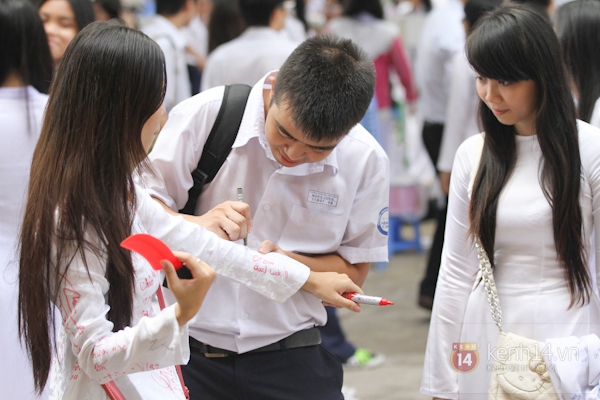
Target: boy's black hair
326,85
353,8
258,12
169,7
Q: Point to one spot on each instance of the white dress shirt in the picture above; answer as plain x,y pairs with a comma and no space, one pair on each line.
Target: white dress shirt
442,36
172,41
461,113
247,58
336,205
294,29
373,35
196,35
574,366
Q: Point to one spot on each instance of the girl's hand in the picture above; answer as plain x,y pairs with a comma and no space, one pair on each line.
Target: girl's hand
329,286
189,293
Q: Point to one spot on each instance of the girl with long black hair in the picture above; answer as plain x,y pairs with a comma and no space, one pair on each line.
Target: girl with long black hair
527,189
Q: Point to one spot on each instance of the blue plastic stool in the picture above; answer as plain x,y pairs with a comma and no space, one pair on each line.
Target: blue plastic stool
396,242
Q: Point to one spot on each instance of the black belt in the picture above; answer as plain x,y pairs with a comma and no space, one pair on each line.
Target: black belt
306,337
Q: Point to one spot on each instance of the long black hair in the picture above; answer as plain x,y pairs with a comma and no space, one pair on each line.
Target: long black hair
515,43
81,192
25,45
578,30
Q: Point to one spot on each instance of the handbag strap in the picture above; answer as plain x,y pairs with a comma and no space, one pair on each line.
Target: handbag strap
489,284
111,388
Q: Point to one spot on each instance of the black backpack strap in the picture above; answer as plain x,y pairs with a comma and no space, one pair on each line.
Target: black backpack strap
219,142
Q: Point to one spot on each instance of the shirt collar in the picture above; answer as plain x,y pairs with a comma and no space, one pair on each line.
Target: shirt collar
253,126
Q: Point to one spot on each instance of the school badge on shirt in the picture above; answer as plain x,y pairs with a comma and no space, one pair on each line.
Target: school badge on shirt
383,222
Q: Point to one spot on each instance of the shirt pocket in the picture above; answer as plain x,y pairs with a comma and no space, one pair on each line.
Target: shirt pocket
313,232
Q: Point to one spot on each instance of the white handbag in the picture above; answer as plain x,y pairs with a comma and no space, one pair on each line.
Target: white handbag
519,370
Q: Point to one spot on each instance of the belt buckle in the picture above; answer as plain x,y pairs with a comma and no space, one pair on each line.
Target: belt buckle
215,355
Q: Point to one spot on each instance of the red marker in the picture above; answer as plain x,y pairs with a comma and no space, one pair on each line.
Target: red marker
364,299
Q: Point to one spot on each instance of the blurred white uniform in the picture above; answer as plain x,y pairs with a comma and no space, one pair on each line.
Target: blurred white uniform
172,41
247,58
461,114
21,121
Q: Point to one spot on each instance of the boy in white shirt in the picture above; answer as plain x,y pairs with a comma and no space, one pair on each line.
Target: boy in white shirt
165,29
317,184
261,48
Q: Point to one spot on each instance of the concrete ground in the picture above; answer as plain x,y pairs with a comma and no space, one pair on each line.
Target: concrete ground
398,331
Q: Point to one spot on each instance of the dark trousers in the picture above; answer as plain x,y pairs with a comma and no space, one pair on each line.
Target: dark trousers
427,288
195,78
333,338
303,373
432,138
